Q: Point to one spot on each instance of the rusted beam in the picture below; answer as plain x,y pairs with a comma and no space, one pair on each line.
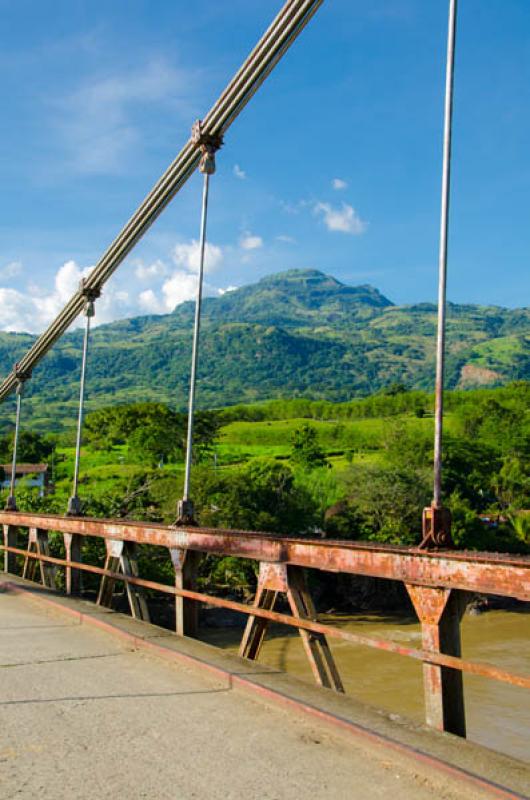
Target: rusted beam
10,541
487,573
475,668
185,563
440,612
72,546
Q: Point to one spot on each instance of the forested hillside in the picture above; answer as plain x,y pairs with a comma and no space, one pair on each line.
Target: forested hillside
294,334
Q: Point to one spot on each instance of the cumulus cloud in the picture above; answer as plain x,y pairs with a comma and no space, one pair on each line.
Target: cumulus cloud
180,284
283,237
187,255
146,272
339,184
180,287
34,309
344,219
150,303
239,173
249,241
11,270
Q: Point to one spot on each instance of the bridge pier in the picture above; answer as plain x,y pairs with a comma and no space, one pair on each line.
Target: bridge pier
185,563
440,612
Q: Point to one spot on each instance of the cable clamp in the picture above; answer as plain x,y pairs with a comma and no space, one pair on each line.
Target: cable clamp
21,377
209,144
90,294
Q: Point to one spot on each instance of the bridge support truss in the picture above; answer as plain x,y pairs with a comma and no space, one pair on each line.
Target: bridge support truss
121,561
275,579
438,584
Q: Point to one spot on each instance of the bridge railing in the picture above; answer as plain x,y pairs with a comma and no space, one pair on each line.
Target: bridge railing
439,584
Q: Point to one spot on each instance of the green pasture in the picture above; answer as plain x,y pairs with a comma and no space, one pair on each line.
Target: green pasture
344,442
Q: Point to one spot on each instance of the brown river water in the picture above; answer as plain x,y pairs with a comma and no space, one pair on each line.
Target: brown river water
498,715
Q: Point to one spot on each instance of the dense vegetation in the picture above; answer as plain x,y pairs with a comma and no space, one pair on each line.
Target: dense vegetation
360,470
295,334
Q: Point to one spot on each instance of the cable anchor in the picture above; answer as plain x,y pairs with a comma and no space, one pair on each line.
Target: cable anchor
436,528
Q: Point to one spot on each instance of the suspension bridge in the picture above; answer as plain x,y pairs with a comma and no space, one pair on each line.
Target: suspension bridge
67,669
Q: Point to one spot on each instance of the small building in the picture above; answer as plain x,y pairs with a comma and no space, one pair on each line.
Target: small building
33,475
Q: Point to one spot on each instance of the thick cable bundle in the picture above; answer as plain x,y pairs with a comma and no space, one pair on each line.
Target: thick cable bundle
282,32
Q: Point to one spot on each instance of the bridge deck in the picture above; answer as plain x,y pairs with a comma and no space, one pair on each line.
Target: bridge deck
86,715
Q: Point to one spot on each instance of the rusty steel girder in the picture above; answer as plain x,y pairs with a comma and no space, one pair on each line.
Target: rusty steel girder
487,573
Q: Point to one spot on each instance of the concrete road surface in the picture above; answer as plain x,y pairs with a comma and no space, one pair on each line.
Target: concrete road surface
81,716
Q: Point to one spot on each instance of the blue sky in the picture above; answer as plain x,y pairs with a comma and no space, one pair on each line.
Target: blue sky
335,165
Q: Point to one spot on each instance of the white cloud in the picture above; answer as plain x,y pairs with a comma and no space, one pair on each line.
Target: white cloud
249,241
187,255
283,237
34,309
239,173
338,184
180,287
149,302
344,219
147,272
181,284
11,270
228,289
99,123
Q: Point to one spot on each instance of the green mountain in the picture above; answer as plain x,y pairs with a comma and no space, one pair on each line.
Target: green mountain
295,333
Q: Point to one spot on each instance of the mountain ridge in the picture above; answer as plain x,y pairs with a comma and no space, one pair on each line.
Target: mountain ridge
293,333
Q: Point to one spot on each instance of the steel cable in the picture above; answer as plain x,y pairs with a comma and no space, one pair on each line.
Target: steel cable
282,32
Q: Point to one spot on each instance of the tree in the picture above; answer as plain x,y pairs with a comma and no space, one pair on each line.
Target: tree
153,431
385,504
306,451
261,495
32,448
469,468
405,447
154,443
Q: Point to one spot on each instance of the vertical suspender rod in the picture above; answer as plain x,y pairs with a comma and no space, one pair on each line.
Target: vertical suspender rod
436,519
11,504
209,146
74,503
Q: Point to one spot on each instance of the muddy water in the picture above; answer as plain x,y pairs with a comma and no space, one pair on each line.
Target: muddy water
498,715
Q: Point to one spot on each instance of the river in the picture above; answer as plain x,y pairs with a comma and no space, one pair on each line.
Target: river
498,715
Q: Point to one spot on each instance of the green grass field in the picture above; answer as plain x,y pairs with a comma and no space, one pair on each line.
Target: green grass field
344,442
